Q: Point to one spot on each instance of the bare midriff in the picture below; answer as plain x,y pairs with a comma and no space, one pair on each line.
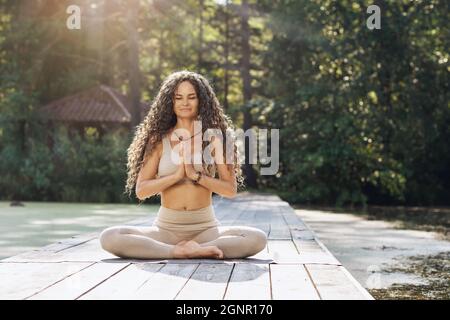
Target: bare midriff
186,195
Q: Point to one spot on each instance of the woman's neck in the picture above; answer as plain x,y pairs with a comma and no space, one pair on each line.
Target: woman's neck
187,128
187,124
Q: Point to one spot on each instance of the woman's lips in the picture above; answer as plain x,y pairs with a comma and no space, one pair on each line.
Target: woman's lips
185,109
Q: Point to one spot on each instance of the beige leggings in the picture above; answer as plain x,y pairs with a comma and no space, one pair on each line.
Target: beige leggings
172,226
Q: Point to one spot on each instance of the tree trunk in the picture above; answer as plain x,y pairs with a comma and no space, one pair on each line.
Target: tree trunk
246,78
160,61
107,70
226,52
133,62
200,38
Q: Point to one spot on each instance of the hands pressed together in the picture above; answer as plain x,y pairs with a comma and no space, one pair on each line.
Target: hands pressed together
185,168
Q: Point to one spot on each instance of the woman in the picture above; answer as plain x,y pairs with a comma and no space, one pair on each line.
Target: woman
160,162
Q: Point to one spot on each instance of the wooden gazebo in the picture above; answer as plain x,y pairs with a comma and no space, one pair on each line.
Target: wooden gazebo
101,107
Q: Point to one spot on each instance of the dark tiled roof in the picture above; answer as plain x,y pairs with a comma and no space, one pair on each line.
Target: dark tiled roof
98,104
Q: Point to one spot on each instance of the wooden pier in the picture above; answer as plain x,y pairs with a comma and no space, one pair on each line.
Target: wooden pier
294,265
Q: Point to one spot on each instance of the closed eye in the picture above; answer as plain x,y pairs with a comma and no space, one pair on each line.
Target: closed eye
178,98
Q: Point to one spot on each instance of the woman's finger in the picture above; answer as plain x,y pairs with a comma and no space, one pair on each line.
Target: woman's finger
186,152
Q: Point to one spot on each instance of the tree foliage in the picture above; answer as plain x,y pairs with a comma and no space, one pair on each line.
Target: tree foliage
364,114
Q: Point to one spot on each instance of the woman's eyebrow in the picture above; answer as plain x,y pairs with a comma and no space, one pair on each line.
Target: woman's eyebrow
179,94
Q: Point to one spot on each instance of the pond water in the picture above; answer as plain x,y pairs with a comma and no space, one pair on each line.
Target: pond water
37,224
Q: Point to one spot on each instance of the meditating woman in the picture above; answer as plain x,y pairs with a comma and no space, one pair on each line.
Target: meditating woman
160,161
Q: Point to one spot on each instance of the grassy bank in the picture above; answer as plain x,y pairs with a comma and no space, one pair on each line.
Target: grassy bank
435,269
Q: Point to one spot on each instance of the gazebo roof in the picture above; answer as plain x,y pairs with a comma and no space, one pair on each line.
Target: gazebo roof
95,105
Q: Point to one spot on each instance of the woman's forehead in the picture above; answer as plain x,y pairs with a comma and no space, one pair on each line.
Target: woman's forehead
185,87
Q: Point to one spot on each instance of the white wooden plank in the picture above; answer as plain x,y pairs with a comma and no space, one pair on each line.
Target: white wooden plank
90,251
222,207
248,208
52,248
21,280
361,289
308,246
144,221
291,282
282,250
166,283
257,218
235,218
324,248
278,227
333,283
315,248
207,283
285,252
247,218
123,285
304,234
292,219
227,212
262,221
74,286
249,282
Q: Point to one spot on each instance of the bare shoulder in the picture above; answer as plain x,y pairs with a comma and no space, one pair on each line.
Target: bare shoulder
159,149
155,153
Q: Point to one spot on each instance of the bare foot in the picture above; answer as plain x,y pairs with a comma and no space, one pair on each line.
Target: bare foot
191,249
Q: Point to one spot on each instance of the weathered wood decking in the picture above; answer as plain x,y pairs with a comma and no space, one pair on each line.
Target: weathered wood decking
295,265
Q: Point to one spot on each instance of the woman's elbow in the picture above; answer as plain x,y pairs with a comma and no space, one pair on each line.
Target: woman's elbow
139,194
231,193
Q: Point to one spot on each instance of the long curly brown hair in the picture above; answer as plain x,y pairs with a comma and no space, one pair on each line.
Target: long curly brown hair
161,119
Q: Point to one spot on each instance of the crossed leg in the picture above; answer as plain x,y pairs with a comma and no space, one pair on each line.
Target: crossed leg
139,242
233,241
152,243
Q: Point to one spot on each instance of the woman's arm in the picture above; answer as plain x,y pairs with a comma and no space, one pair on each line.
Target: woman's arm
150,187
147,185
226,185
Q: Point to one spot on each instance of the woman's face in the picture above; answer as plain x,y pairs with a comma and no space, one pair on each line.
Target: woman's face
185,101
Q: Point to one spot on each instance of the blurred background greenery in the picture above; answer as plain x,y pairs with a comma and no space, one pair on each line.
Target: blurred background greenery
364,114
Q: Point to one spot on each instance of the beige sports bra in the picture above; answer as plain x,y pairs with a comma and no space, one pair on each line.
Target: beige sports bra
167,166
